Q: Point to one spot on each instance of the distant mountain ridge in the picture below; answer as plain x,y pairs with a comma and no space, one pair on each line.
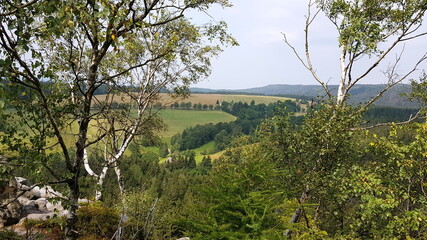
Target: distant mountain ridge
394,97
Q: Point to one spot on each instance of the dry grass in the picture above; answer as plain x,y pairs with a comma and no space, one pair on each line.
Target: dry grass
209,99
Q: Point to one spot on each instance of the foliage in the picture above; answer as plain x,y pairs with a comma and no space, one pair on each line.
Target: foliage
243,199
56,54
388,114
366,29
97,221
9,235
419,89
182,160
353,185
364,24
51,228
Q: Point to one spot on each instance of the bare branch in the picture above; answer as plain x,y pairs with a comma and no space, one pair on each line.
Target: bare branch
394,82
307,63
410,120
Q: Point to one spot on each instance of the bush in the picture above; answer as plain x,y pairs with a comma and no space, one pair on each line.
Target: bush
45,229
9,235
97,221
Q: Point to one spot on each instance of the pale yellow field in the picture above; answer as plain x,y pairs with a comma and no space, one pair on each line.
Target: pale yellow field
257,99
206,98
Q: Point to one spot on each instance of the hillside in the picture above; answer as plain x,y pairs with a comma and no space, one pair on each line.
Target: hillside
209,99
359,94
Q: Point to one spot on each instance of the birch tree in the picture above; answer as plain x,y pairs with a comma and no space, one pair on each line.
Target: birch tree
366,28
55,55
185,60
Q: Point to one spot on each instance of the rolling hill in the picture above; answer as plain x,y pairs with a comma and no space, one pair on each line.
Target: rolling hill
359,93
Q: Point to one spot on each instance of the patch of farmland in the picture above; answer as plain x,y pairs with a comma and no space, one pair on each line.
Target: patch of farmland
257,99
208,99
178,120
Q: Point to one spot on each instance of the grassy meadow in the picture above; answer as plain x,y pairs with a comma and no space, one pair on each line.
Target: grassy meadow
178,120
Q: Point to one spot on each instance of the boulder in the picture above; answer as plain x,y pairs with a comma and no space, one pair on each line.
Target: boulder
8,189
39,216
33,202
84,200
36,192
10,214
23,200
41,204
10,208
22,183
30,207
48,192
56,206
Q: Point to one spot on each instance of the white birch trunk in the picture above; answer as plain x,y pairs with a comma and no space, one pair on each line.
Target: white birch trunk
342,85
100,183
119,180
86,164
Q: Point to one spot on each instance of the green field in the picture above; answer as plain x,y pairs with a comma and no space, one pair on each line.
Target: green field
178,120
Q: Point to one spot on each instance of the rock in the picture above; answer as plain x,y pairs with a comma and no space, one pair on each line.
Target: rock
84,200
30,207
38,216
48,192
22,182
54,206
32,194
8,189
41,204
36,191
23,200
184,238
11,213
34,203
25,186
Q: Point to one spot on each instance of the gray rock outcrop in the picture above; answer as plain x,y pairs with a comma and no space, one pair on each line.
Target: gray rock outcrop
20,200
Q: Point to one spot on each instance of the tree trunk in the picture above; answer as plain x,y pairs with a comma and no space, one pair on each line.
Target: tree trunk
298,212
342,85
119,180
71,232
120,228
100,183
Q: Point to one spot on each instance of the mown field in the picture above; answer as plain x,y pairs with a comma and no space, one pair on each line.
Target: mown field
208,98
178,120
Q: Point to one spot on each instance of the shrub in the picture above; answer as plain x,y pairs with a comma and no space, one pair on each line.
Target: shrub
6,234
44,229
97,221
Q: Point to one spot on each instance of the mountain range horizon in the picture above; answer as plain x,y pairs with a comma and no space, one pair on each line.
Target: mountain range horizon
397,96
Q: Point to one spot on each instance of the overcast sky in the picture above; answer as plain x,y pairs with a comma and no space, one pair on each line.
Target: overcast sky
263,58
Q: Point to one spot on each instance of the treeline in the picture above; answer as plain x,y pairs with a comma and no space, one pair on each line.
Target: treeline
388,114
249,116
195,106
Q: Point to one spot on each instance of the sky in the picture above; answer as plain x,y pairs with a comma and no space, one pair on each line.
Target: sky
263,58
